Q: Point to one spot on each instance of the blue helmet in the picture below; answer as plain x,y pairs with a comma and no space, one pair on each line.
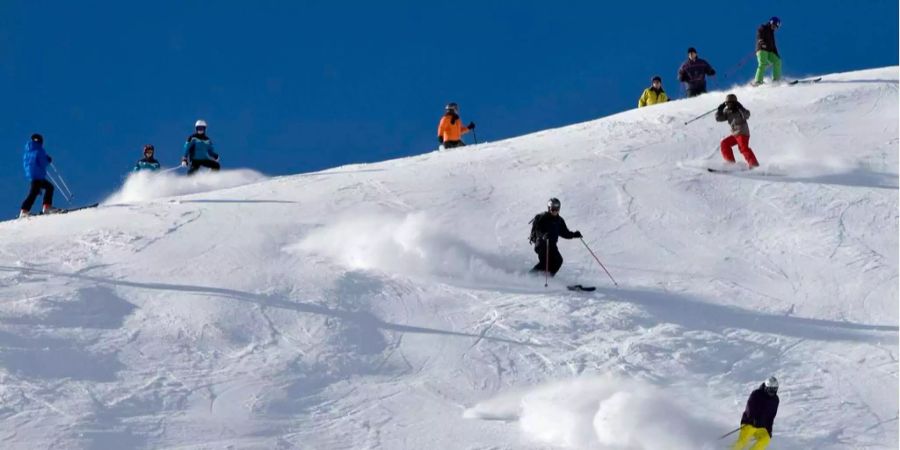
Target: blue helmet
775,21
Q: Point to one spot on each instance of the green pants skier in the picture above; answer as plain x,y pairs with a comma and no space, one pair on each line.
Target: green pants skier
766,51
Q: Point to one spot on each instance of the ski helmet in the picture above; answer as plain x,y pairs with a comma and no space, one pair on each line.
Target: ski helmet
452,106
656,78
771,385
553,204
36,137
200,124
775,21
731,98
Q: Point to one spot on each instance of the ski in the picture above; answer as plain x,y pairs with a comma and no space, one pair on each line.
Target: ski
67,210
808,80
742,172
578,287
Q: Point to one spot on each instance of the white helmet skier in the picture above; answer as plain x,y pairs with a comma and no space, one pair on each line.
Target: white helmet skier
771,385
553,206
200,126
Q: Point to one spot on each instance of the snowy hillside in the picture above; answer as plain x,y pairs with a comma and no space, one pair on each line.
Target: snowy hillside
387,305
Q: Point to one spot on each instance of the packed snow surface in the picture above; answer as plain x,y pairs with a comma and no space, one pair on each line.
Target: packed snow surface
389,306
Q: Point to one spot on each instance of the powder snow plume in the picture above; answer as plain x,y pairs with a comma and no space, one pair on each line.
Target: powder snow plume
143,186
602,412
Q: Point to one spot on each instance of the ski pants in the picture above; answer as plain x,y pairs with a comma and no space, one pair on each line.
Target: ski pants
454,144
36,187
750,432
743,143
555,259
766,59
198,163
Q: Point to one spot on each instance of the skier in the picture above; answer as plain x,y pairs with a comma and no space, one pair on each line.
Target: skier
736,116
759,416
767,52
546,229
653,94
693,73
35,162
198,150
451,129
148,162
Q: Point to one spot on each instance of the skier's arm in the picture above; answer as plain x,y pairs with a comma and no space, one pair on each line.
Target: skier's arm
682,76
643,100
662,97
709,70
212,151
721,117
771,422
188,149
442,126
564,230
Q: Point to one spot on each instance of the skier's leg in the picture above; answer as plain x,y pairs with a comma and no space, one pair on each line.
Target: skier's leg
727,152
541,265
762,439
762,60
211,165
556,260
744,146
33,192
48,193
195,166
776,66
743,438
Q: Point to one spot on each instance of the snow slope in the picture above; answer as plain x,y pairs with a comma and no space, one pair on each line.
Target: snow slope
387,305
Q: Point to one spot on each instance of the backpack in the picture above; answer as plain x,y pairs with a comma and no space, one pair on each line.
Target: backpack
535,235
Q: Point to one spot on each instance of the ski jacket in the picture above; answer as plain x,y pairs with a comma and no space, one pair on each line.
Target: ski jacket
451,128
761,409
199,148
652,96
150,164
35,161
546,226
765,39
694,73
736,116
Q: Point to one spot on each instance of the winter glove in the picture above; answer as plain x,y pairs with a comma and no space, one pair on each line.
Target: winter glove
184,162
577,234
49,159
440,139
471,126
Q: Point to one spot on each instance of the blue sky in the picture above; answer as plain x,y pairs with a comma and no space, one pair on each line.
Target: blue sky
291,87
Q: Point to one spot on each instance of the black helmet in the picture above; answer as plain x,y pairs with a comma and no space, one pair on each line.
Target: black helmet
452,106
731,98
36,137
553,204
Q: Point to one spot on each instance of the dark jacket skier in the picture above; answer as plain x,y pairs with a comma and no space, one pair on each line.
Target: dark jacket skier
693,73
767,52
759,416
546,229
198,150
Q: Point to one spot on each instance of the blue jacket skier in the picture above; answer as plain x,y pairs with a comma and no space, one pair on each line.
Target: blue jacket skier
198,150
35,162
148,162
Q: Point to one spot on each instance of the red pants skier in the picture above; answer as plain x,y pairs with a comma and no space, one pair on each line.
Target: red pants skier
743,143
736,115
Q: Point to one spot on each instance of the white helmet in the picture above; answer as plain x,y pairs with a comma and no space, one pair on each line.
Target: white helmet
771,385
200,123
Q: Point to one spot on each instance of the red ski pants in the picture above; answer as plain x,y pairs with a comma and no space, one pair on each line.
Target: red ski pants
743,143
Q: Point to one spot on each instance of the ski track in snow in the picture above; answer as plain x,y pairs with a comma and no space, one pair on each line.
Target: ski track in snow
388,305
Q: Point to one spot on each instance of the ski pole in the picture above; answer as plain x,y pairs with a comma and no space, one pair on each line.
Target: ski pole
702,115
740,64
170,169
61,179
730,433
475,137
56,184
547,264
598,261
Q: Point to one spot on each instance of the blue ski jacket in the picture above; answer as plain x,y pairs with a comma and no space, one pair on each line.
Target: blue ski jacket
150,164
35,161
199,147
